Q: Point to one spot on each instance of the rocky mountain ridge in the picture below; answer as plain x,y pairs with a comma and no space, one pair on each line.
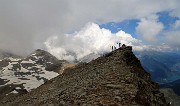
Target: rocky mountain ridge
117,79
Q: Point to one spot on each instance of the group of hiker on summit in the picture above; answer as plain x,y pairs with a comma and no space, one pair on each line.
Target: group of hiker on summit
114,47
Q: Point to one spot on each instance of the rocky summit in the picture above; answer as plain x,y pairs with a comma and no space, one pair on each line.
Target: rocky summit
115,79
21,75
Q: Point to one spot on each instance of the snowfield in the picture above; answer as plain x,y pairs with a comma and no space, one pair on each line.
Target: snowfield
26,72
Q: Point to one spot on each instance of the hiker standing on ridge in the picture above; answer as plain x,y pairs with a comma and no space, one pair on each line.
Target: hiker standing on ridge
119,44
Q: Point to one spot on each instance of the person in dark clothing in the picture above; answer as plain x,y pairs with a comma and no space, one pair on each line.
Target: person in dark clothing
119,44
112,48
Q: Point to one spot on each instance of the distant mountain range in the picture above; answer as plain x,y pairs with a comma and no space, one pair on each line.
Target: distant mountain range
164,67
20,75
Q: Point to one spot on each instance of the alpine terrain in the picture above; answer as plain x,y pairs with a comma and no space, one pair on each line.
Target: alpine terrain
115,79
21,75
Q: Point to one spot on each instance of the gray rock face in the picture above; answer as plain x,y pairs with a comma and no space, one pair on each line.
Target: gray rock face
23,75
171,97
114,80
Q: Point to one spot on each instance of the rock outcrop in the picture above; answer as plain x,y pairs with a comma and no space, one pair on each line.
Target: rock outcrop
116,79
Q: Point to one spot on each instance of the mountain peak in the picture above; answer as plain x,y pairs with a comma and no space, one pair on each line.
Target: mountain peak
43,57
116,78
40,52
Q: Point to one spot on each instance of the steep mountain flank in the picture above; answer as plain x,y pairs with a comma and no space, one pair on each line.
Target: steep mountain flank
117,79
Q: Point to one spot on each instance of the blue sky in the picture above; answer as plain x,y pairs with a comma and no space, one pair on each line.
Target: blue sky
129,26
167,20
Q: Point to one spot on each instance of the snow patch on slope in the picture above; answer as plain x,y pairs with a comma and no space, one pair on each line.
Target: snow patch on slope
26,72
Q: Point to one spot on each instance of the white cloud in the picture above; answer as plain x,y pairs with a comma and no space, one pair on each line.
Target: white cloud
93,39
25,24
177,24
176,8
149,28
172,38
90,39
